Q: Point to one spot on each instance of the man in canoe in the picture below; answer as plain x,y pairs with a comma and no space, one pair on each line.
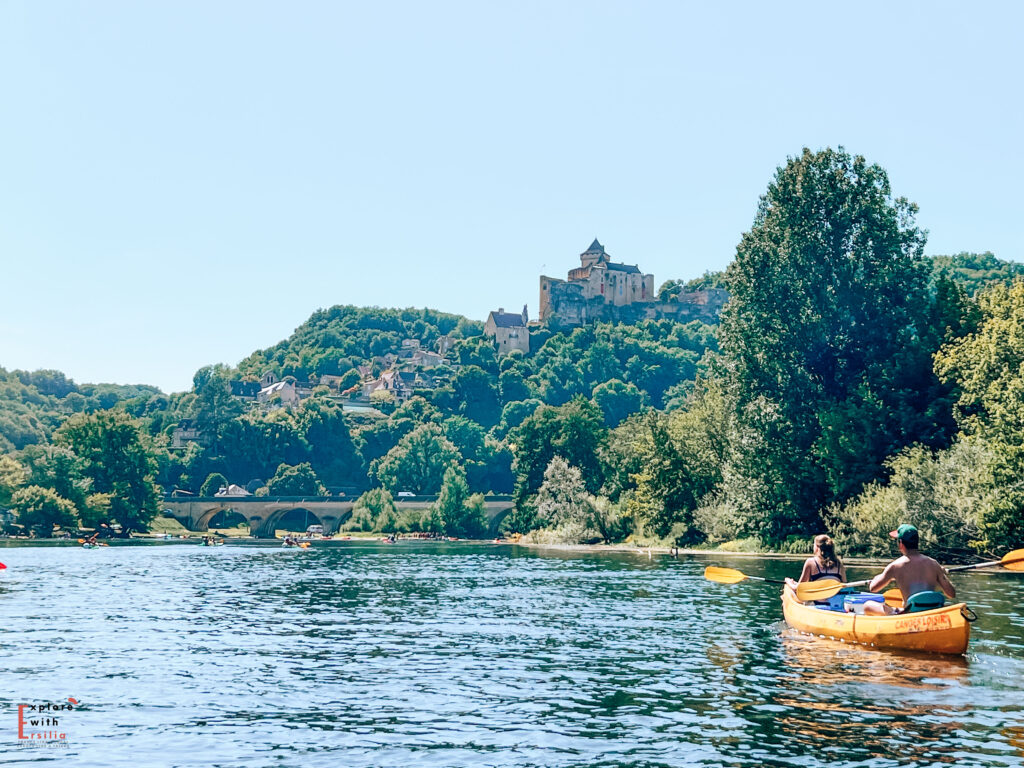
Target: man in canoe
913,573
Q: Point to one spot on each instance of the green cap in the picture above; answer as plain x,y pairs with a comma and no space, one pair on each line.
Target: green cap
906,533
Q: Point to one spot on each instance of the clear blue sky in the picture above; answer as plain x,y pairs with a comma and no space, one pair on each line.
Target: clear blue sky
185,182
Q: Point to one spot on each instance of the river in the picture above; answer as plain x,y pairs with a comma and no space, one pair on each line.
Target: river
475,655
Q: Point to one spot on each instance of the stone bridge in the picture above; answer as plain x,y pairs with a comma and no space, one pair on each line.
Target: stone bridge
262,513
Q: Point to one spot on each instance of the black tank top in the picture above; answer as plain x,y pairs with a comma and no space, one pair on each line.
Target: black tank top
827,574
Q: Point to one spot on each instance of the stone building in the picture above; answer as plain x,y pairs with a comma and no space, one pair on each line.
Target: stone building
597,281
187,431
509,331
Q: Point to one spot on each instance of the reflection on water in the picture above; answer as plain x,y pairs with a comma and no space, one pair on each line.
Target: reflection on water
824,673
453,655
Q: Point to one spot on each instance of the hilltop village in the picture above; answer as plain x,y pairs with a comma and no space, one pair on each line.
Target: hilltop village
599,290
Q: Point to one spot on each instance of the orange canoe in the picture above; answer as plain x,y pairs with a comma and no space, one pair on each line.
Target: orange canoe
943,630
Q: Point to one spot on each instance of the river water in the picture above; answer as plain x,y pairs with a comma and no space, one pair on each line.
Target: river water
475,655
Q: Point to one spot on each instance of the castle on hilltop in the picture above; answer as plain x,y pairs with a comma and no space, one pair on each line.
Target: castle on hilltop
603,290
597,277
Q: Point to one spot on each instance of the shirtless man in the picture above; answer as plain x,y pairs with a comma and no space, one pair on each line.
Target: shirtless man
912,573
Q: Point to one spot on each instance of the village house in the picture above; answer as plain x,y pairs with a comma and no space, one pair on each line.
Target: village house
245,390
444,345
184,433
330,381
276,393
398,383
280,393
509,331
426,359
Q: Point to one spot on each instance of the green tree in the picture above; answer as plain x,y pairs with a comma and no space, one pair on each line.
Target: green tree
563,504
215,406
13,476
575,431
116,459
349,379
299,480
373,511
514,414
457,515
332,451
987,368
213,483
512,385
41,509
829,289
418,463
617,400
255,444
670,289
477,395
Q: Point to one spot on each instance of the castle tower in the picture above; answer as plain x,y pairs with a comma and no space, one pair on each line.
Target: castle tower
595,254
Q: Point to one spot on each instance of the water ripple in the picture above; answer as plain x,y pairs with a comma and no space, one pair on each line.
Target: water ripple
465,655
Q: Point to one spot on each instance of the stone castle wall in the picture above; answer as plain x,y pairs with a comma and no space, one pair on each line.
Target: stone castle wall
565,305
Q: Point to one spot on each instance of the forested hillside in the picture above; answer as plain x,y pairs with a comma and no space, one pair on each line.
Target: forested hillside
974,271
335,340
33,405
853,383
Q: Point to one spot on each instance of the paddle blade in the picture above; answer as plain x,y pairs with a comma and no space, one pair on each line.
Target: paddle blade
893,598
1013,561
723,575
2,566
817,590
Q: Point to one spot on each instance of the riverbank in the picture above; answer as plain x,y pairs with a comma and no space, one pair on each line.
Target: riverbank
237,537
645,551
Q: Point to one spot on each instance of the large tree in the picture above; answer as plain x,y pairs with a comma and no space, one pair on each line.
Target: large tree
300,480
255,445
117,460
574,431
332,451
214,405
41,509
824,340
418,463
987,368
459,513
563,503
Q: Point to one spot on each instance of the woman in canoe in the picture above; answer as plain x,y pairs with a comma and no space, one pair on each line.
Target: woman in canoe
823,565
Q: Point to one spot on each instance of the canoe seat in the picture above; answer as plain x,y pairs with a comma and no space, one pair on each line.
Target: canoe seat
924,601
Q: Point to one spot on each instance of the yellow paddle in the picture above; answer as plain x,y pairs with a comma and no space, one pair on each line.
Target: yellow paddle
893,597
824,589
732,576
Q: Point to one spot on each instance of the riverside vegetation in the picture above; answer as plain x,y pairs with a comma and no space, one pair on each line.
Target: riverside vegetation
852,383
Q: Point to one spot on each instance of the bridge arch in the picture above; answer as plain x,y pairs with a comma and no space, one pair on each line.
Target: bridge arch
278,517
202,522
227,518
